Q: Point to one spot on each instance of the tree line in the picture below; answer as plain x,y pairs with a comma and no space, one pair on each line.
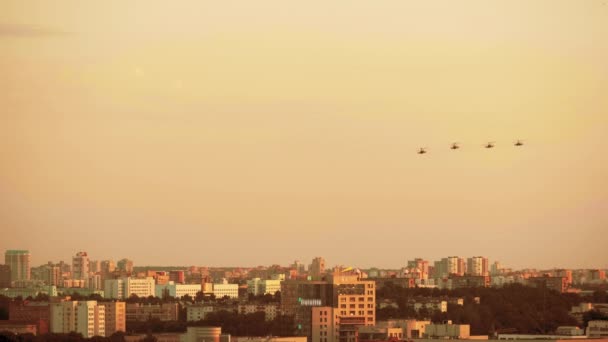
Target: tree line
512,308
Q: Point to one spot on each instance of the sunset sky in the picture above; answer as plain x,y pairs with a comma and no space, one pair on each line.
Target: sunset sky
226,133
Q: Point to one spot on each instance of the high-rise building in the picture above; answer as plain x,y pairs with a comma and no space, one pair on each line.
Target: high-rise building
298,267
95,266
114,288
80,266
477,266
496,268
125,265
178,276
19,262
84,317
420,267
5,276
115,317
352,299
107,267
52,275
452,265
317,268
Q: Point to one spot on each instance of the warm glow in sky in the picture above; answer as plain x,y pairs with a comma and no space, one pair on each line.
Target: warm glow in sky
259,132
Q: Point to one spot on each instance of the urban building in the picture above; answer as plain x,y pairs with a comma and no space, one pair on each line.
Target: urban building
224,289
115,317
125,265
141,287
559,284
177,290
80,266
430,305
206,334
123,288
458,282
317,269
19,263
18,327
257,286
144,312
597,329
375,333
114,288
178,277
84,317
411,328
37,313
418,268
352,299
270,310
477,266
197,312
5,276
324,325
447,330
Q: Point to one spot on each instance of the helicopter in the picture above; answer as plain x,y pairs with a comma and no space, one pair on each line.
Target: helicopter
455,146
490,144
519,143
422,150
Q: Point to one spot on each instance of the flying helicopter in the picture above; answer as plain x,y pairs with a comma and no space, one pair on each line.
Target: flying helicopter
490,144
422,150
455,146
519,143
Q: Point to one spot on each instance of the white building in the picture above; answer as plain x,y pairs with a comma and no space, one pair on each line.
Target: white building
224,289
84,317
142,287
125,287
177,290
258,286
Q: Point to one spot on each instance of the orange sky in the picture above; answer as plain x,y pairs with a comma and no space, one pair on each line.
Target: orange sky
259,132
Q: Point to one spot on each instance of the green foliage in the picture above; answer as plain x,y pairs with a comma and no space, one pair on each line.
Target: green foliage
513,308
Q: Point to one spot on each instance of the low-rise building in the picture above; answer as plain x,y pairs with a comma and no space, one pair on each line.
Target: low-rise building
559,284
176,290
37,313
428,304
270,310
19,327
144,312
224,289
197,312
448,330
597,329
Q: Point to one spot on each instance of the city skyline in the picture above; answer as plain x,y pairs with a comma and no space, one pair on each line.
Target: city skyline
262,132
305,261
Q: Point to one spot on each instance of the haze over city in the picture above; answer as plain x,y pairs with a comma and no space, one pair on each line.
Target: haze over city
255,133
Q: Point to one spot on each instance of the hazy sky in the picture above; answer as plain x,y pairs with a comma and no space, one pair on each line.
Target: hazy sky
259,132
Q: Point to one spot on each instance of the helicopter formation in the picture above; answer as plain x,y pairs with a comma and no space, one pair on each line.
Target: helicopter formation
456,146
